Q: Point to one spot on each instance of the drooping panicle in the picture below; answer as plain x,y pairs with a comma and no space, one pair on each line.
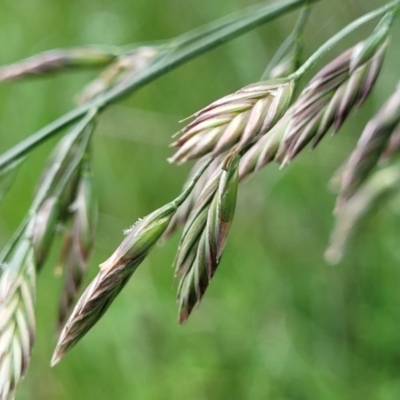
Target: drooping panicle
54,60
204,237
370,147
285,62
236,119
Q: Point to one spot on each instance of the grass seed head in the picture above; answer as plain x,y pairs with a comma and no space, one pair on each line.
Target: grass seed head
239,118
17,316
78,244
328,99
376,190
114,274
54,60
370,147
204,238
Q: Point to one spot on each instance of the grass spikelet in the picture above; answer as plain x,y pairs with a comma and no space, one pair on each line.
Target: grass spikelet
328,99
116,271
114,274
54,60
372,143
78,244
241,117
17,317
204,238
349,217
265,150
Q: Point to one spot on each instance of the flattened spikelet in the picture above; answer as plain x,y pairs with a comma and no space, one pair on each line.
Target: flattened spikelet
239,118
370,147
328,99
54,60
17,317
204,238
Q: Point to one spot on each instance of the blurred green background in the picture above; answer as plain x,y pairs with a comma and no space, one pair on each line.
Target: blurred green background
277,322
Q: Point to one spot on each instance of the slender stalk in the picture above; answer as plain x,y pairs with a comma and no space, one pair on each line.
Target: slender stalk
289,41
245,23
189,188
393,6
203,42
207,30
42,135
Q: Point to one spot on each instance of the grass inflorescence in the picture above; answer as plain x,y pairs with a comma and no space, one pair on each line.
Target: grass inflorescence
230,139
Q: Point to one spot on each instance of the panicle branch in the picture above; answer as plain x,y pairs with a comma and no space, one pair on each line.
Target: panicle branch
233,137
325,102
328,99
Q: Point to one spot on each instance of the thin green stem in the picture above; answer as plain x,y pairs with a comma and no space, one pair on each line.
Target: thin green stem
184,195
291,40
203,42
342,34
42,135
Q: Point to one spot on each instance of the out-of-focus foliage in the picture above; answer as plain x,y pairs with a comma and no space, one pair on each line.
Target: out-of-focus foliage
277,322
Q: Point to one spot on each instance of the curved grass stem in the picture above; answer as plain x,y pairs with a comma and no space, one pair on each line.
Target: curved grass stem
313,59
182,49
